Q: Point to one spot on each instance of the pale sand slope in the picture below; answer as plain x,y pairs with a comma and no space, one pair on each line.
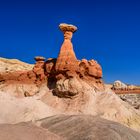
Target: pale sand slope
13,65
14,110
106,105
74,127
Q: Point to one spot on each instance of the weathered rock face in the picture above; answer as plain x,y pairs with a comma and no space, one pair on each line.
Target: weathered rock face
25,76
90,68
68,87
66,67
39,68
62,73
63,85
67,62
23,82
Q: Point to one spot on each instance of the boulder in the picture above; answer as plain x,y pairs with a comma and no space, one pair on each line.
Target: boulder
118,85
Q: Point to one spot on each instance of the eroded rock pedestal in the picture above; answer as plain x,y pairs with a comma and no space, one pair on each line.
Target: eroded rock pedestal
67,62
67,71
62,75
66,59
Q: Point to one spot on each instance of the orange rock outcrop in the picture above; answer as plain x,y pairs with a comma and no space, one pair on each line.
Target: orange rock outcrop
66,66
66,59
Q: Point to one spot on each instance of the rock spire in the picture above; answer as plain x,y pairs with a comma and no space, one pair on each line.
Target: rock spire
66,58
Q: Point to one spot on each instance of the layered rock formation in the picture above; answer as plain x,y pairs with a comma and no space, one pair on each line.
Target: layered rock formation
67,60
67,71
63,85
61,73
67,63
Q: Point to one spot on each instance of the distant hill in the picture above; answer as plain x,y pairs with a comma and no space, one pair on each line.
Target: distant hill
13,65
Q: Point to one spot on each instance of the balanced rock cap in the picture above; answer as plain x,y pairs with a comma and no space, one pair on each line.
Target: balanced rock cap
39,58
67,27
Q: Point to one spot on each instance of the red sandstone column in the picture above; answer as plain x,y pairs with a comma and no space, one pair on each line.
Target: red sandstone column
66,59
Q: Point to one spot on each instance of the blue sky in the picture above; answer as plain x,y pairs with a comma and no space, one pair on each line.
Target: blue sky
108,31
